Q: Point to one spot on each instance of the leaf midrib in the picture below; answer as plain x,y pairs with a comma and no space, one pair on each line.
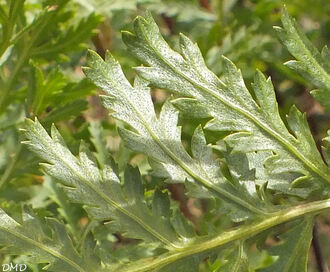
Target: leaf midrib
109,200
308,53
44,248
205,182
270,131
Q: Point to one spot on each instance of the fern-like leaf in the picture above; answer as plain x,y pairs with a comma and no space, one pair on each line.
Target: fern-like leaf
259,150
311,64
52,246
107,199
160,138
255,124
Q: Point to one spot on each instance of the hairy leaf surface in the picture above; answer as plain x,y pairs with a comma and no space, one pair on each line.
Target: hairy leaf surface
255,124
262,163
160,138
45,243
107,199
311,64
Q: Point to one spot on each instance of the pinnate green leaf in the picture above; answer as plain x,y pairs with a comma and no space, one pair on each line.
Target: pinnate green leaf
261,155
255,124
160,137
310,63
107,198
45,241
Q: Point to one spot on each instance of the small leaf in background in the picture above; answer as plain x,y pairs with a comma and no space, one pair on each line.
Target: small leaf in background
311,64
292,252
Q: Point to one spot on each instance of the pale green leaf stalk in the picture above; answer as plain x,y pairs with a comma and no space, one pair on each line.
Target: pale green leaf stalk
207,244
311,64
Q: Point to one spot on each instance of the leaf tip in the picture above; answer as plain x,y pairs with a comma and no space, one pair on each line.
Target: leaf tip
127,37
92,57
